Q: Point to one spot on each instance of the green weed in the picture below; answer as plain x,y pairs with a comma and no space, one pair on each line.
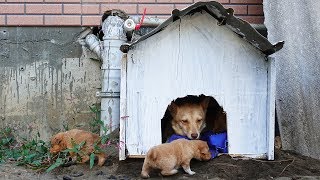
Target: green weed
35,153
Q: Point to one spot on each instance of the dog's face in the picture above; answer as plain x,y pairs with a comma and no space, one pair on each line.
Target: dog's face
189,119
57,143
203,153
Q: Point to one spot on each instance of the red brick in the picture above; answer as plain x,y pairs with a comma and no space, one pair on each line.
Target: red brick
99,1
12,8
24,20
175,1
238,9
64,20
137,1
63,1
43,8
127,8
90,9
255,9
91,20
220,1
2,20
72,9
163,9
81,9
253,19
246,1
24,1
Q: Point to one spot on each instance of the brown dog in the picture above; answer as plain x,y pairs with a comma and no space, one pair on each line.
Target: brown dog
66,140
189,119
168,157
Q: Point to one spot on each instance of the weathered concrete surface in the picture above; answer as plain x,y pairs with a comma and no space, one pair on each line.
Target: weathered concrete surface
47,80
298,72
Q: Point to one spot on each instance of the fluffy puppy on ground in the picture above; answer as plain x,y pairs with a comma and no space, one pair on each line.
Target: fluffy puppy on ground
168,157
66,140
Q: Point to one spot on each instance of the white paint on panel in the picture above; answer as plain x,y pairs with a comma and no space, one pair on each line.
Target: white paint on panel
123,108
191,57
271,106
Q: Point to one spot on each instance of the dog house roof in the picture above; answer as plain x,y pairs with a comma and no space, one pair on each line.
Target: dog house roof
224,17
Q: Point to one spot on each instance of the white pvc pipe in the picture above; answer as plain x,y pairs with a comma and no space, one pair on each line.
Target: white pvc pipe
148,21
94,44
114,37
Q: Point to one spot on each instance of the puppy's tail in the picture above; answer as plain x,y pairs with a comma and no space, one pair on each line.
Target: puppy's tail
152,156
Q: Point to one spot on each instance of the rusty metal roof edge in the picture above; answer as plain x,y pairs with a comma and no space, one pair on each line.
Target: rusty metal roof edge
225,17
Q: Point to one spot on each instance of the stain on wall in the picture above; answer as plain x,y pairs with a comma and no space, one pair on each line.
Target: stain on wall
48,80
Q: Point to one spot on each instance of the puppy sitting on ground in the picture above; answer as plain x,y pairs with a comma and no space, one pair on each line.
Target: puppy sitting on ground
66,140
189,119
168,157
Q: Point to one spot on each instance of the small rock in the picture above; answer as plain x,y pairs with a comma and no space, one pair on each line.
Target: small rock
66,178
76,174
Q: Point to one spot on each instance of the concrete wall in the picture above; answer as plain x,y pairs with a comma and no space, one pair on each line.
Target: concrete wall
47,80
298,72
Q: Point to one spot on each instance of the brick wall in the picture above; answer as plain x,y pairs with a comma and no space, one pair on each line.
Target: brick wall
88,12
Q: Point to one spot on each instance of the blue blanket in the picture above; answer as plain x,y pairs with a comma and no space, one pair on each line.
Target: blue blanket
217,142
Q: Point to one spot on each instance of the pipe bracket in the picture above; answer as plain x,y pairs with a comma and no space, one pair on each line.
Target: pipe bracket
108,94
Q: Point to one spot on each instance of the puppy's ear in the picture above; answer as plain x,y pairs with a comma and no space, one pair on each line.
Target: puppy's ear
205,102
203,147
173,108
58,139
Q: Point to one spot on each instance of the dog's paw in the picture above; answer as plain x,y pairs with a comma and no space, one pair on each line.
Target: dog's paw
191,173
145,175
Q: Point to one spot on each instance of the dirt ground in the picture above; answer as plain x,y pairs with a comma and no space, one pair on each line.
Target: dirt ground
287,165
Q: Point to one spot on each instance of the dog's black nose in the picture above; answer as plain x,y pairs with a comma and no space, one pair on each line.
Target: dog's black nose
194,136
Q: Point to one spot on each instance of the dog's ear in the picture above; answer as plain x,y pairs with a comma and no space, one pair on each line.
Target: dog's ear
58,139
173,108
205,102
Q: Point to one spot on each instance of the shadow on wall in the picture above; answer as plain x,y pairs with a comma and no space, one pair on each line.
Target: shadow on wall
215,116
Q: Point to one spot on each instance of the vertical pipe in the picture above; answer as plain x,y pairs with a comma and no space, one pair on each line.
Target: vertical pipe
114,37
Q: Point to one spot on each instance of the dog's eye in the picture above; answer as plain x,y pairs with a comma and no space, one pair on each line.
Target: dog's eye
199,120
184,121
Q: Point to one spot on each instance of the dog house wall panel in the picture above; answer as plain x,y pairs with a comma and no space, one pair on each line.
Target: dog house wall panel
194,56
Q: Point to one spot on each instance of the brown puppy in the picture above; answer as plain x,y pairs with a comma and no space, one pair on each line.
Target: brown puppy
189,119
66,140
168,157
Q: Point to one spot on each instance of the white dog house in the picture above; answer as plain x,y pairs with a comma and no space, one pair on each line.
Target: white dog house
202,49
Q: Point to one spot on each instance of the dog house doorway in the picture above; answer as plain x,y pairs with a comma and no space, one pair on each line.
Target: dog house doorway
215,119
196,117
